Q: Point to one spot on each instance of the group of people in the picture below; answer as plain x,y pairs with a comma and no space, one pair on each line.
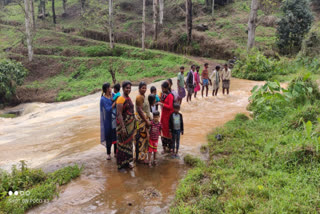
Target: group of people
134,130
124,124
193,82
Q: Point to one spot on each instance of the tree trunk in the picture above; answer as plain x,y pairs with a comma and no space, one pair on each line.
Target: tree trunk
53,13
155,20
189,20
64,5
212,8
143,24
28,23
83,3
33,16
252,23
161,8
43,8
207,3
111,35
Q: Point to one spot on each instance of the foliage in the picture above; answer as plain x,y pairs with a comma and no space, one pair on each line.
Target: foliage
12,74
295,23
254,66
33,186
261,165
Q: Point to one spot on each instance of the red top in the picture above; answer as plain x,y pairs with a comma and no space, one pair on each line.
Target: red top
155,130
167,110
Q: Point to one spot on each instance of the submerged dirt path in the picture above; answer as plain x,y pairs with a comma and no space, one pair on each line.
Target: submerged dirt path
54,135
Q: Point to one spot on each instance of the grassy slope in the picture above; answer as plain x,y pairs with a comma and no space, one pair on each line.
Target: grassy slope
262,165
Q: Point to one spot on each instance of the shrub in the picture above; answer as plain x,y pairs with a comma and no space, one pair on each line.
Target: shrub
12,74
293,26
254,66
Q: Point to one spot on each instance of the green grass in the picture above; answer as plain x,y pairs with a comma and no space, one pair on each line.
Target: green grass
33,186
268,164
8,115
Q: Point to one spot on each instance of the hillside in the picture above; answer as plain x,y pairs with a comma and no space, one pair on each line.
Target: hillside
77,43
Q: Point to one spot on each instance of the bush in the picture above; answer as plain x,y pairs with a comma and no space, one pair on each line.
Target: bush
12,74
254,66
293,26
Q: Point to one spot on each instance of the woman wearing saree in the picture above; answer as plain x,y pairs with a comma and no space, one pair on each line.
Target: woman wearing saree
143,123
167,109
196,81
107,129
125,127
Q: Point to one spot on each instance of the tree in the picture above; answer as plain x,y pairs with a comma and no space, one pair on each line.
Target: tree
11,75
161,8
293,26
28,23
111,35
155,19
53,13
64,5
42,8
143,24
212,8
252,23
189,20
83,4
33,16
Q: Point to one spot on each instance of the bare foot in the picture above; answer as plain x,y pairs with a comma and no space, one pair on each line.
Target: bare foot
108,157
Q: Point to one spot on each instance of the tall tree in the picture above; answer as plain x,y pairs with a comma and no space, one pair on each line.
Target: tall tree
28,23
83,4
189,20
64,5
155,19
161,8
143,24
33,16
42,8
212,10
53,13
111,35
252,23
207,3
293,26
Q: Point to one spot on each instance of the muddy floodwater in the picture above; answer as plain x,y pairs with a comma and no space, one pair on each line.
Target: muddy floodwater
54,135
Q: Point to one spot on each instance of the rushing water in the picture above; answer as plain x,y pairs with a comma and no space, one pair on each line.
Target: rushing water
51,136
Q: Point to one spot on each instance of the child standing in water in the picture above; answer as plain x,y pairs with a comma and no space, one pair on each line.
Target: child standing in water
152,103
197,81
176,128
155,130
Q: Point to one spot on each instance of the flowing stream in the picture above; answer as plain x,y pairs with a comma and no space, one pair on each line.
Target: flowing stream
54,135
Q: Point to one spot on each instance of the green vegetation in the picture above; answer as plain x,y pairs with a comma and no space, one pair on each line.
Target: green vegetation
269,164
11,75
8,115
256,66
32,185
293,26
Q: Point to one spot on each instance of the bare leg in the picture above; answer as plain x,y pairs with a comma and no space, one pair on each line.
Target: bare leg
149,158
227,90
207,90
202,91
217,91
213,92
155,158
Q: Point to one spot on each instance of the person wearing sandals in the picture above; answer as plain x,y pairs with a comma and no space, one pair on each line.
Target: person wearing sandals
155,130
176,128
125,128
107,129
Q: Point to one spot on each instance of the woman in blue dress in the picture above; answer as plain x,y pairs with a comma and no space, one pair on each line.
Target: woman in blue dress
107,129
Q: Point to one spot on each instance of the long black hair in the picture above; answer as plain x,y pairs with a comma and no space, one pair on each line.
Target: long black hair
151,99
105,87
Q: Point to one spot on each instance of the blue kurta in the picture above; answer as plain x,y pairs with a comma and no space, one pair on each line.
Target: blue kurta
108,132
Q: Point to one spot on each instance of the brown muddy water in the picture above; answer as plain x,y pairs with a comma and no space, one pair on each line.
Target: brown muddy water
51,136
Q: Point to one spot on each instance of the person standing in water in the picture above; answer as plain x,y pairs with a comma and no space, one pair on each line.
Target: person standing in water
181,84
172,91
107,132
225,77
143,124
125,128
205,79
155,131
190,83
197,81
167,109
215,80
176,128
